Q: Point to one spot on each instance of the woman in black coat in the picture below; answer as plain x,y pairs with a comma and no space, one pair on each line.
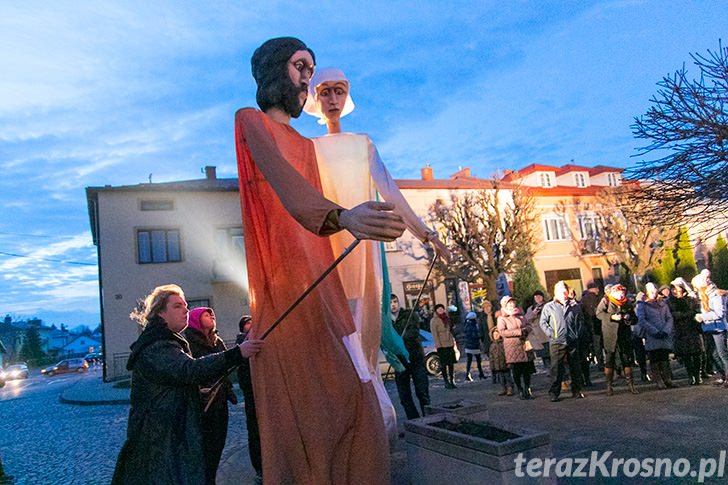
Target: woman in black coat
201,333
164,436
687,340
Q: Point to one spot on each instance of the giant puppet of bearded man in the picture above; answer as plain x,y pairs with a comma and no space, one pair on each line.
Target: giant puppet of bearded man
317,409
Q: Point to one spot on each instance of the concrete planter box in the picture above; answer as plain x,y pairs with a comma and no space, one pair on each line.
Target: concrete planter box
460,407
436,455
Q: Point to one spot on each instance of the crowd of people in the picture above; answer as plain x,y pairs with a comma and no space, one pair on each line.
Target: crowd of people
605,331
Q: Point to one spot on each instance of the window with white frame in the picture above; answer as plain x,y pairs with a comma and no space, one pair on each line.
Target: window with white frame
391,246
556,228
588,228
158,246
613,179
546,180
230,243
580,179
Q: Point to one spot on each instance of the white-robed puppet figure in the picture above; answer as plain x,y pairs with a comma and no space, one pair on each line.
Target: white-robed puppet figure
352,172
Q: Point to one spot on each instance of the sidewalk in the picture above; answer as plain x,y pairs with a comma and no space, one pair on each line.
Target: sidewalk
680,423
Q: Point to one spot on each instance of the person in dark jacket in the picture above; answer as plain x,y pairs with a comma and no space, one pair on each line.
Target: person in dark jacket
164,438
245,382
473,341
616,316
201,334
589,301
414,365
688,341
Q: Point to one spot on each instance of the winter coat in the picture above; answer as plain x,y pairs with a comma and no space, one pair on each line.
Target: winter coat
687,339
654,323
564,323
200,346
537,337
615,330
716,308
164,437
441,333
497,354
410,335
472,335
514,332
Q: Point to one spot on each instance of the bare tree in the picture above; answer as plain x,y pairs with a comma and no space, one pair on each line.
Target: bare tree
686,130
488,231
624,235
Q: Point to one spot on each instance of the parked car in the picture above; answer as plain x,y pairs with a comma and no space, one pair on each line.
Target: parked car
15,371
65,366
94,358
432,360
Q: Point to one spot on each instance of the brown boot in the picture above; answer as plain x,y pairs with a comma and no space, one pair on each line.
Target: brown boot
656,373
509,392
667,375
630,381
610,379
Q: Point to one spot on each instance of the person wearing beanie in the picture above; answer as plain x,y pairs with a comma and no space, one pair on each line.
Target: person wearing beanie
688,342
519,354
201,334
539,340
473,339
246,386
655,323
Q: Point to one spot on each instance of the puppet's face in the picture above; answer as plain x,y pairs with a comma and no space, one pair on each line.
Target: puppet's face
331,98
300,70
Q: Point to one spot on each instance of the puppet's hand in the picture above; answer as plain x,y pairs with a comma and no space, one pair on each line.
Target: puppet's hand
440,248
372,220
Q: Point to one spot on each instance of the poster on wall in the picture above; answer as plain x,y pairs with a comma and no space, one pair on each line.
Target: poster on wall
464,293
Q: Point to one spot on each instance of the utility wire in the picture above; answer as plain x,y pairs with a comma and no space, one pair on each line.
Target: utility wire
3,253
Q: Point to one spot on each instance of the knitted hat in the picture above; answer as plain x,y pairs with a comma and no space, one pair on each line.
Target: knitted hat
193,319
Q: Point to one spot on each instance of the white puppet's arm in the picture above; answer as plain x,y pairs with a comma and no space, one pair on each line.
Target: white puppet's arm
390,192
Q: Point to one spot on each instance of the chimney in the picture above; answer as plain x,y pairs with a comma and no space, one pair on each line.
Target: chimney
463,173
210,172
426,172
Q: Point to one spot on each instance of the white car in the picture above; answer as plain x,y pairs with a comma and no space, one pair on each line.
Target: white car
15,371
432,360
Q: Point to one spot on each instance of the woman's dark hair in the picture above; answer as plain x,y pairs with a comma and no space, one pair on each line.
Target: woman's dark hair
439,305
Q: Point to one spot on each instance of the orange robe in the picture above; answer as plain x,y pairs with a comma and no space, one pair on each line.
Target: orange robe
319,424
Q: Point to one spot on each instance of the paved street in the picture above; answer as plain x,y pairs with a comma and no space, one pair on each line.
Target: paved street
44,441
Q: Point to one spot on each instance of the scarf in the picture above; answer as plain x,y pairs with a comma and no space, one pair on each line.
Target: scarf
619,303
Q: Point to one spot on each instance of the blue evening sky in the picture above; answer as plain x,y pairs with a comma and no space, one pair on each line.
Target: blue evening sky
96,93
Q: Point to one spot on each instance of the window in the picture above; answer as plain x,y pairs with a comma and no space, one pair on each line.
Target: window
198,303
555,228
545,180
587,226
230,243
580,179
391,246
158,246
157,205
613,179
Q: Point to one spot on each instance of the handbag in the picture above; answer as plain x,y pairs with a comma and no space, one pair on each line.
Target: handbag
527,347
713,327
